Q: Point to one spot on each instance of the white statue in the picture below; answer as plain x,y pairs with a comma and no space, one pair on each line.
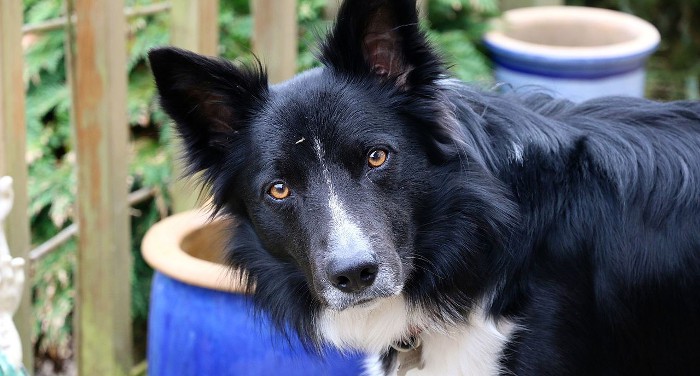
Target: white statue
11,283
7,196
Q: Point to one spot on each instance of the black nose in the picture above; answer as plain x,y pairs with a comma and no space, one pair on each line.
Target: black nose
352,276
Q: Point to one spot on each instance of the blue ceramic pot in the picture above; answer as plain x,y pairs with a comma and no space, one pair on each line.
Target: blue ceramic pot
577,53
200,323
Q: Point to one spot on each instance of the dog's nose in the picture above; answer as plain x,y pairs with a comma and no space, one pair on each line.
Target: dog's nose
352,275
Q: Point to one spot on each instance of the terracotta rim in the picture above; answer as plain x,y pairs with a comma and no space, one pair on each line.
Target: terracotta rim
162,250
645,41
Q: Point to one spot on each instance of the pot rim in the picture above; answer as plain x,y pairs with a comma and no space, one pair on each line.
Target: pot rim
162,250
646,41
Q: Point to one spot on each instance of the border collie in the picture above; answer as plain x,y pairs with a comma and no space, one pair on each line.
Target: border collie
385,207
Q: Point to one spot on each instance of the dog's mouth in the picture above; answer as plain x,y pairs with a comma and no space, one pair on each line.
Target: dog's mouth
340,302
367,303
363,302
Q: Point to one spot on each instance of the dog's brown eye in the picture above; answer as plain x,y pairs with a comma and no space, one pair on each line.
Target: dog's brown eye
376,158
279,191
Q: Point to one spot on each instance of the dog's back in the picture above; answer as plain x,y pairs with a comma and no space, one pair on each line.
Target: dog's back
605,269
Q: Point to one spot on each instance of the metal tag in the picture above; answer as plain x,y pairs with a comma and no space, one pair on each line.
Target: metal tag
410,355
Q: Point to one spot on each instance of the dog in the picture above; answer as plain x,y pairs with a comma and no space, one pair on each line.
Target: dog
385,207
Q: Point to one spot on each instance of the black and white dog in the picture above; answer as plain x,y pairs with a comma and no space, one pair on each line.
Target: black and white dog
386,207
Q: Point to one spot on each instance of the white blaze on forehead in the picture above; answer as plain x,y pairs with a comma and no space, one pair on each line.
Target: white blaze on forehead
346,235
321,154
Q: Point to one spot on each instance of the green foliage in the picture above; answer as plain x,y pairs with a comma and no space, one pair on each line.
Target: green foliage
236,29
51,180
457,26
470,16
236,25
53,297
312,26
466,61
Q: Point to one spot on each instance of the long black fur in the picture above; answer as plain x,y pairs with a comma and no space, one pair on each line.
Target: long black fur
579,222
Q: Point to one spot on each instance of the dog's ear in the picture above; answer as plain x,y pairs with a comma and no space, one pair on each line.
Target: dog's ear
381,37
209,99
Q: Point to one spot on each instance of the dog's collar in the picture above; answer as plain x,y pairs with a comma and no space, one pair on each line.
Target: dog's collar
409,354
407,344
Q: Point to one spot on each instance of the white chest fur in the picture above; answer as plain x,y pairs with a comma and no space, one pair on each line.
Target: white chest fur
473,348
370,328
466,350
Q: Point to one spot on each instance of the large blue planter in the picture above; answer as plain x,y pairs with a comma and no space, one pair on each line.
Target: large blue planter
206,330
577,53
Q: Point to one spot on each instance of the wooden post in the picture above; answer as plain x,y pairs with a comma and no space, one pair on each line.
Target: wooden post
512,4
103,302
13,143
193,26
423,9
275,36
330,11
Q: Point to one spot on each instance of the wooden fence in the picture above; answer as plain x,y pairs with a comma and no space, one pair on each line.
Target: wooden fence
96,71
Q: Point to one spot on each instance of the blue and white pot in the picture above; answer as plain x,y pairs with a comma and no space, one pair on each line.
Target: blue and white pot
200,320
572,52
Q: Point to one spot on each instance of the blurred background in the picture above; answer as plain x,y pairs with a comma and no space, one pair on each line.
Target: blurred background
455,25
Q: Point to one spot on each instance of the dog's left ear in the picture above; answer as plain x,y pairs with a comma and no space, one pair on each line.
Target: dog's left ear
210,100
382,37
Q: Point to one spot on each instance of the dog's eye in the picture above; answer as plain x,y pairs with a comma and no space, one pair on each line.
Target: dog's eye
376,158
279,191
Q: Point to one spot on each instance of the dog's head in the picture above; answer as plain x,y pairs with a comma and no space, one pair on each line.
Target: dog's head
339,176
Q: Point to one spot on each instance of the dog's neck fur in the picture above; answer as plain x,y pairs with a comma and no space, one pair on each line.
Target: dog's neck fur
473,347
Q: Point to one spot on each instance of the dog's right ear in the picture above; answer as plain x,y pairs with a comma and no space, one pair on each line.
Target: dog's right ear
210,100
382,38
